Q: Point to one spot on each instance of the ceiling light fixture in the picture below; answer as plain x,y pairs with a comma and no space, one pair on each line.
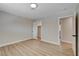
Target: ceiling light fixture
33,5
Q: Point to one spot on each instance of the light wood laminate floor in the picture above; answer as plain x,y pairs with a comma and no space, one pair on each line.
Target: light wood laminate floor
67,48
32,48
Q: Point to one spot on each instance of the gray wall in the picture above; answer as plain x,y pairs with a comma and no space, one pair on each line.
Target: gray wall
13,28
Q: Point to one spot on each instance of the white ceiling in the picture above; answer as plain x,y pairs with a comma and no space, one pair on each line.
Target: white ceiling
44,9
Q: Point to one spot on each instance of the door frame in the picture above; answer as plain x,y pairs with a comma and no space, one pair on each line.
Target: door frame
76,30
59,25
39,32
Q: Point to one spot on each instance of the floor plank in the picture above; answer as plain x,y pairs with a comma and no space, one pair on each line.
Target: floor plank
34,48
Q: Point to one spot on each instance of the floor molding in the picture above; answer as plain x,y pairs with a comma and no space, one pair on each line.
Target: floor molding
66,41
6,44
50,42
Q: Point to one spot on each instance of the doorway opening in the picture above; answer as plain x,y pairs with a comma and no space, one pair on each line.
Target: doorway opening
39,32
66,30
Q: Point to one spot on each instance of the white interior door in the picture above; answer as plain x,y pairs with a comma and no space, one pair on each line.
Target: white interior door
78,33
73,34
66,29
78,26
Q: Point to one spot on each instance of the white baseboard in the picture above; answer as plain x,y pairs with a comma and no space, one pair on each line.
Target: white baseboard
34,38
2,45
50,42
66,41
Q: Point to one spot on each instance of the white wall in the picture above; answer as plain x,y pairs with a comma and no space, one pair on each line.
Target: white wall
66,29
50,27
50,31
13,28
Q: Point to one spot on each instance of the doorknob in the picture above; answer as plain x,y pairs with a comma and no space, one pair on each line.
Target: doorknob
74,35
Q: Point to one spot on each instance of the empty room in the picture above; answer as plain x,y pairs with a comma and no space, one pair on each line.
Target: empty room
38,29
